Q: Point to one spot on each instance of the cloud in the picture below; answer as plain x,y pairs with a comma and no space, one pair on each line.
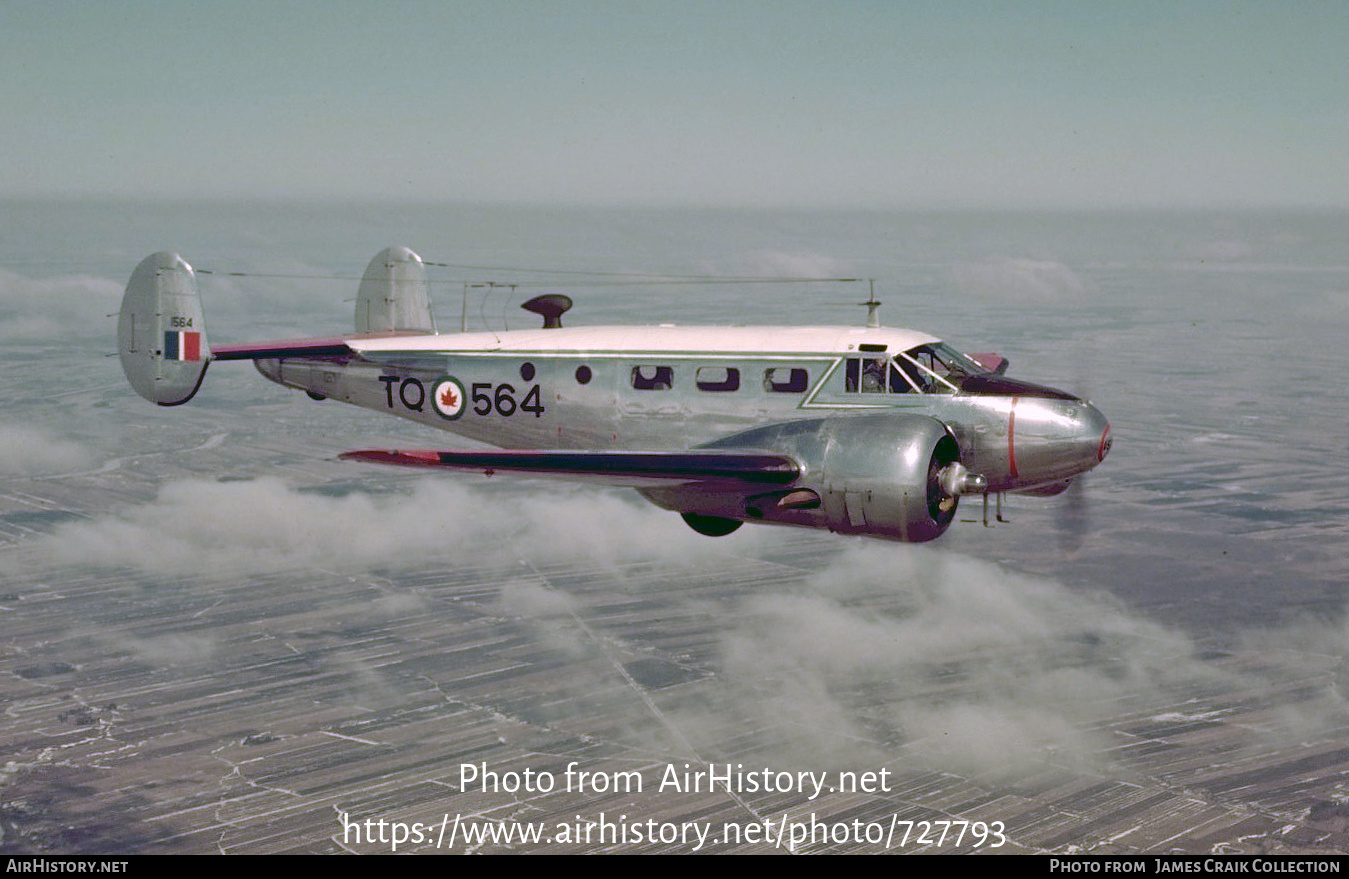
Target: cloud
1329,303
287,299
898,650
1224,250
200,528
1021,280
914,656
525,599
176,648
213,528
283,298
550,614
56,309
888,655
29,451
800,264
1322,645
775,263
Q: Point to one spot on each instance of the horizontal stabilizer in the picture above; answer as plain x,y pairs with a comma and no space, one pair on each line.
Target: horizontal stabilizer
275,350
634,469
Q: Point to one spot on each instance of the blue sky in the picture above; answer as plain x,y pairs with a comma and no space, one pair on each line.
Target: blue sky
886,104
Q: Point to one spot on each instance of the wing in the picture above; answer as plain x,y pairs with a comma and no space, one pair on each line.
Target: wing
711,467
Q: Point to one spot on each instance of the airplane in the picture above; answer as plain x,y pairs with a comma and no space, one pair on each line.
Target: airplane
868,430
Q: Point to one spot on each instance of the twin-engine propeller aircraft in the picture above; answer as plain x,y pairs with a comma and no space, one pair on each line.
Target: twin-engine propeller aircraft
866,430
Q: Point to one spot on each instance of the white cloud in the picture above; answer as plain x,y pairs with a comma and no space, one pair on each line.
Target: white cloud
55,309
29,451
898,650
1020,280
206,528
1221,250
890,655
800,264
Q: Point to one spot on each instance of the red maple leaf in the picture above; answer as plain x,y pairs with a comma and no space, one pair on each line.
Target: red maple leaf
448,399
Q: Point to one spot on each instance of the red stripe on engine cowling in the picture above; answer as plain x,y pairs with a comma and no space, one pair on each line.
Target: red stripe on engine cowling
1011,433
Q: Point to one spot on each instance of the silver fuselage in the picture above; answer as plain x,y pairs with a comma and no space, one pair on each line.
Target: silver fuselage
669,388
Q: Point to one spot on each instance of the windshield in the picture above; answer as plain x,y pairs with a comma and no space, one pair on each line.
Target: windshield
935,368
941,368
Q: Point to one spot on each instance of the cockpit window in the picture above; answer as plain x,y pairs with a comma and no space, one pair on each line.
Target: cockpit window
941,368
876,375
903,377
936,368
872,379
946,361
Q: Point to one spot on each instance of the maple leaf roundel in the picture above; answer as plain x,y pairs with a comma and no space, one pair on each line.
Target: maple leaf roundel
447,395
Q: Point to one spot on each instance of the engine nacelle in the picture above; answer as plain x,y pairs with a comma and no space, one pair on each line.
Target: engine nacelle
879,475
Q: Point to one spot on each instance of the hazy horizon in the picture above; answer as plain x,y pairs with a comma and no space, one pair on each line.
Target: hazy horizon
751,104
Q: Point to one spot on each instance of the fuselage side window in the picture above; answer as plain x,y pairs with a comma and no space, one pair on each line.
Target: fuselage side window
717,378
653,378
786,379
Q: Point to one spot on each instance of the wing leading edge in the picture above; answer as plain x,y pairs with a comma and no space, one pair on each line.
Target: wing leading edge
274,350
632,469
333,349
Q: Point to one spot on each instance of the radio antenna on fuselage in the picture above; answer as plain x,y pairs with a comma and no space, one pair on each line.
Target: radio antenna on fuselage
482,304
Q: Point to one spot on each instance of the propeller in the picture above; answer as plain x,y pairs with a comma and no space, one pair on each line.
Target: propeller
1072,517
873,305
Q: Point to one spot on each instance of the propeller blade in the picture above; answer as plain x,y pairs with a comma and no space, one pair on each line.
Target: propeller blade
1072,516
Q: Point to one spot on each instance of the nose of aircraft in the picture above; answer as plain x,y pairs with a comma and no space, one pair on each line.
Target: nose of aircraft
1076,437
1052,435
1096,432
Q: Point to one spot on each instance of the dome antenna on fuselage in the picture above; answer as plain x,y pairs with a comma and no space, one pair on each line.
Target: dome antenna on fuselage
550,307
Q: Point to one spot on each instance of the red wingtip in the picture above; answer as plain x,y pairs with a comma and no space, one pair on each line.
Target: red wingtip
414,458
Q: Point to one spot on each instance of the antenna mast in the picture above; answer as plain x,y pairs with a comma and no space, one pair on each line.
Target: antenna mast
873,306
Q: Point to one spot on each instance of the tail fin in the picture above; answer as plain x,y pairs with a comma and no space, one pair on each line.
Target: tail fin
161,334
393,296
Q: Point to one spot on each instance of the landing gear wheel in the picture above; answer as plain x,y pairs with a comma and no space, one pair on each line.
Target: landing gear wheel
711,526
